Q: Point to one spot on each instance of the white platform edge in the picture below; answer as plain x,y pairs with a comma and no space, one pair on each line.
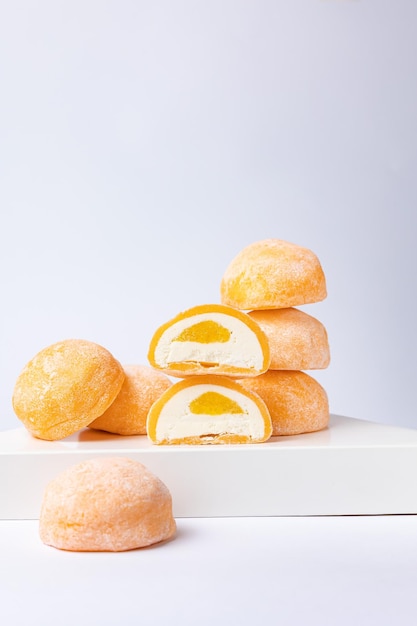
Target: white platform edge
352,468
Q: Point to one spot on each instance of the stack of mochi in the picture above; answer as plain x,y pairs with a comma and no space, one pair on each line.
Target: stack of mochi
257,337
208,346
269,279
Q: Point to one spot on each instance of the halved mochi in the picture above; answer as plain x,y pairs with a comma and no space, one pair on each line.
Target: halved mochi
210,339
208,410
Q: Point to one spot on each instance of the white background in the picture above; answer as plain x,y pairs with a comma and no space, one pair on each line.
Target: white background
144,143
315,571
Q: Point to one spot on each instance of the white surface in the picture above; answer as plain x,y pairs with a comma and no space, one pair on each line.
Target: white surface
292,571
353,467
144,143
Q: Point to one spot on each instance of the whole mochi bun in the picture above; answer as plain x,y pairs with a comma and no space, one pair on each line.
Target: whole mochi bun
296,401
273,274
127,415
297,341
106,504
65,387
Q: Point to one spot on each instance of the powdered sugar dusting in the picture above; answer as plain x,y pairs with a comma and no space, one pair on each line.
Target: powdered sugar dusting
107,504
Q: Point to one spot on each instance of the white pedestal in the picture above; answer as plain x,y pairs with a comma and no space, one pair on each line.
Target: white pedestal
352,468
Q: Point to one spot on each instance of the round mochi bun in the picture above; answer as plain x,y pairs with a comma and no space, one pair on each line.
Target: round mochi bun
273,274
65,387
297,341
297,403
127,415
106,504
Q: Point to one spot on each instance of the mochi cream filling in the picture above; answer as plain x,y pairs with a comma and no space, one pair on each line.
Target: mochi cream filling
242,349
177,420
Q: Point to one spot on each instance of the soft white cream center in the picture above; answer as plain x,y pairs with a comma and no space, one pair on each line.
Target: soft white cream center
242,350
177,421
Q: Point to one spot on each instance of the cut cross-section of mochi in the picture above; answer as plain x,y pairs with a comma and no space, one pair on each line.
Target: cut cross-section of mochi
207,410
210,339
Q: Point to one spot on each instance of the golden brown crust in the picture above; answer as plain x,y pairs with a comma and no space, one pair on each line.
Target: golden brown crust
273,274
106,504
65,387
127,415
296,402
297,341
